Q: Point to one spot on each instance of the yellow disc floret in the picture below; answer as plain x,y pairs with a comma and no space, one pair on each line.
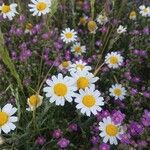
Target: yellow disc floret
113,60
88,101
80,67
69,35
117,92
78,49
82,83
60,89
3,118
111,130
5,8
41,6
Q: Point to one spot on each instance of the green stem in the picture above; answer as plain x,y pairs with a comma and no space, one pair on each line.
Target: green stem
73,12
115,79
106,40
34,118
92,8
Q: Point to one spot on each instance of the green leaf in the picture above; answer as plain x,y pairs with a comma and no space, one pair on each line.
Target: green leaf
8,62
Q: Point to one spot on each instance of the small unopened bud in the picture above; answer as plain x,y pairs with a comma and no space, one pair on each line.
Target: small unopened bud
92,26
1,140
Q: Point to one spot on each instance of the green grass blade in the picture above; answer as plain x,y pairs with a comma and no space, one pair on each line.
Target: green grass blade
8,62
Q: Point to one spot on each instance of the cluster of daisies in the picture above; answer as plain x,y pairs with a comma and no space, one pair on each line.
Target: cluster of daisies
37,7
42,7
78,86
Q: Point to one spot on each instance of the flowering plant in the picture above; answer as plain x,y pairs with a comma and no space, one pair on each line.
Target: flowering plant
73,71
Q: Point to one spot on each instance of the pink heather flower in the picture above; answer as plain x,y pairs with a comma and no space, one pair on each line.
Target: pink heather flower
146,118
136,79
98,43
133,91
104,147
41,140
21,19
127,75
45,36
118,117
73,127
146,94
142,144
146,30
86,6
135,128
95,140
94,128
102,114
125,138
63,143
57,133
136,52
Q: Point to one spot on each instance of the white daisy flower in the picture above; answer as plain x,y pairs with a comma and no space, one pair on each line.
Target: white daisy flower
69,35
8,11
78,49
34,102
102,19
79,66
89,101
117,91
144,11
40,7
60,89
65,65
6,118
121,29
113,60
110,131
83,79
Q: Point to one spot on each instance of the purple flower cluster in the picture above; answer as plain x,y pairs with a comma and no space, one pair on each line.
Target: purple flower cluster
117,117
146,118
63,143
135,128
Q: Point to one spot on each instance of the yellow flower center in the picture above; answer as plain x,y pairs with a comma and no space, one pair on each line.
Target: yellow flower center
145,10
29,26
60,89
82,82
92,26
69,35
5,8
34,100
78,49
111,130
113,60
88,101
3,118
65,64
41,6
80,67
117,92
